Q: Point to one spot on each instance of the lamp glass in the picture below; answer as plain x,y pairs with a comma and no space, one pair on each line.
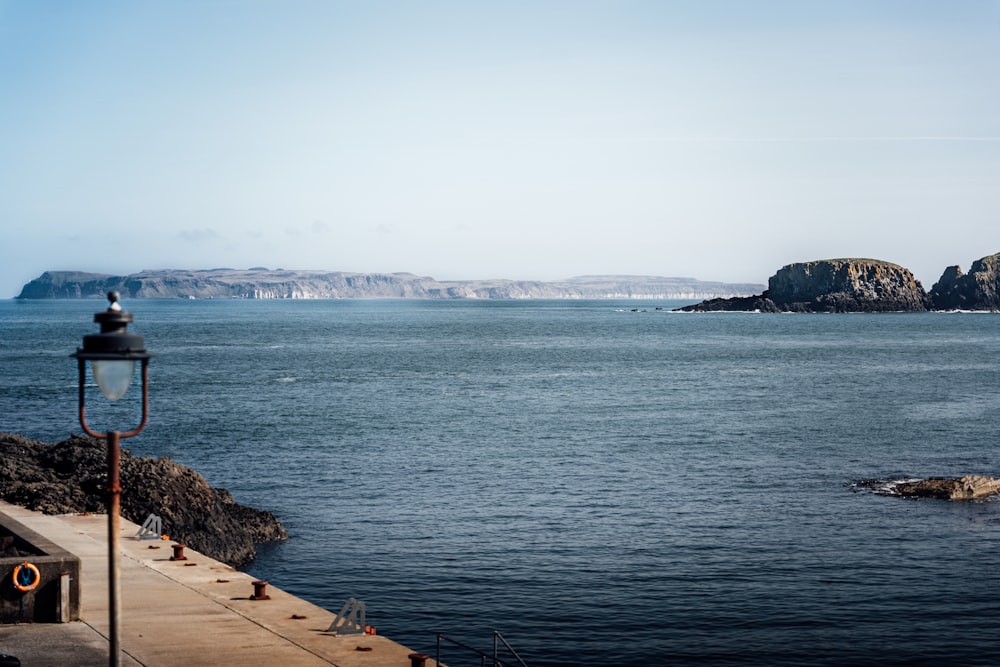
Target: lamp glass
113,377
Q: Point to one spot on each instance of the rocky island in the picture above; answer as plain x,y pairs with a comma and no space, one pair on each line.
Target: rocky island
979,289
70,477
867,286
262,283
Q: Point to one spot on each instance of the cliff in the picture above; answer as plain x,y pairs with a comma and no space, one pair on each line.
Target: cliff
71,476
977,290
846,285
832,286
280,284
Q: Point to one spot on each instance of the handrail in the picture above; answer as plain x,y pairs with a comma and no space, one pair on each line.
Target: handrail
496,636
495,660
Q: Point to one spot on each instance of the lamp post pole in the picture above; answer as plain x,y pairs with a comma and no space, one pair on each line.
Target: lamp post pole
113,353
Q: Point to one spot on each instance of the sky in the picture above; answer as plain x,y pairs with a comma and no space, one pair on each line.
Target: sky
534,140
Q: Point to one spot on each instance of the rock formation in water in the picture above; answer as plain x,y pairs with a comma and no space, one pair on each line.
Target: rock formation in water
71,477
262,283
832,286
759,303
969,487
979,289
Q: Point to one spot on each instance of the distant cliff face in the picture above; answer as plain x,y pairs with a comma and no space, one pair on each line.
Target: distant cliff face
68,285
265,284
220,284
832,286
846,285
977,290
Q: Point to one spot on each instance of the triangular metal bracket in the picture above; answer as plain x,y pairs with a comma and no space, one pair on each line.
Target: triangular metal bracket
151,529
347,621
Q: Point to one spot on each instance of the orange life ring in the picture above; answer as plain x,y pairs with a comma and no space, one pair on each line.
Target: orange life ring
26,577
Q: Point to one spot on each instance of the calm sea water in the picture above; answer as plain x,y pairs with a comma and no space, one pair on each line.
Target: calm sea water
604,487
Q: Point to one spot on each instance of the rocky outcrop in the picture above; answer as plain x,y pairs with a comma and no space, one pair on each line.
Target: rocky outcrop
261,283
71,477
833,286
969,487
979,289
751,304
846,285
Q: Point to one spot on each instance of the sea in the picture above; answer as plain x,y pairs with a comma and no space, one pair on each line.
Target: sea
602,482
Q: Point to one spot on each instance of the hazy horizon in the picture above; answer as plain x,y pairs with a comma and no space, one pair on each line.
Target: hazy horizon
718,140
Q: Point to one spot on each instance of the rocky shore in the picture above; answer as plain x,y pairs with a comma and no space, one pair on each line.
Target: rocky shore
867,286
70,477
968,487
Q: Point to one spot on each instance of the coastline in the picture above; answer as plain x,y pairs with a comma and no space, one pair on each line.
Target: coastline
68,477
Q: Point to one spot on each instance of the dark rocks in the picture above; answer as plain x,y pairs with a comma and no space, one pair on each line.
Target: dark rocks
846,285
969,487
71,476
760,303
832,286
947,293
868,286
977,290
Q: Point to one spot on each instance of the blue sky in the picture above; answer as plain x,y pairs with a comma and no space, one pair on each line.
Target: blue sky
526,140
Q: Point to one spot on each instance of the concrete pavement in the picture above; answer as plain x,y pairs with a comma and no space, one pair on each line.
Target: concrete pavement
193,612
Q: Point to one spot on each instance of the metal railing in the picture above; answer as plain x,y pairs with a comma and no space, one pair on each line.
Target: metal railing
485,659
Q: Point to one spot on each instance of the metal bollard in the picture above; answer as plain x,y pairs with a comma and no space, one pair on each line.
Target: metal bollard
260,591
418,659
178,552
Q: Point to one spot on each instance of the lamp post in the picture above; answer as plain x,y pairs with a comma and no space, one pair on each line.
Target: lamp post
112,354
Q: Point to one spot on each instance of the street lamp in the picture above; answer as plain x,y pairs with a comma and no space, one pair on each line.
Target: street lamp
112,354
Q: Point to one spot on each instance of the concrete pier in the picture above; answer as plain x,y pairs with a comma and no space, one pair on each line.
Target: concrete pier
192,612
